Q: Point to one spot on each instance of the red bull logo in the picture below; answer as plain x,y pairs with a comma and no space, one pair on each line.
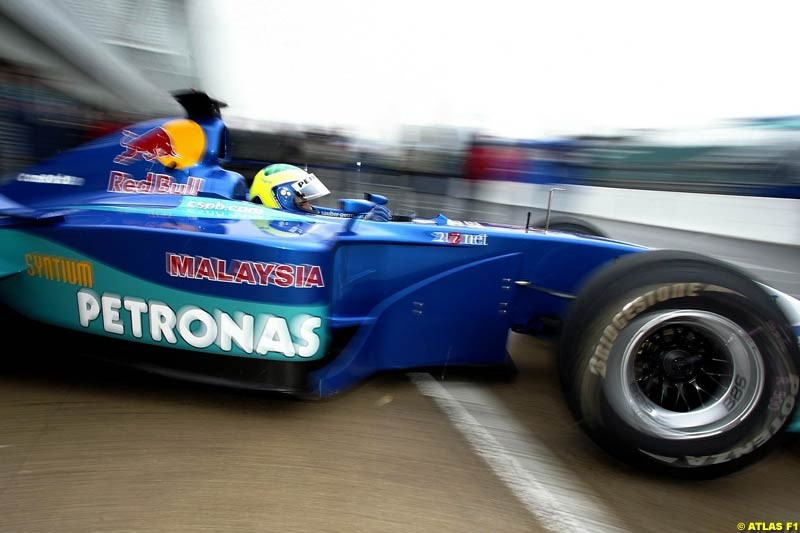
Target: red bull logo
152,184
176,144
149,146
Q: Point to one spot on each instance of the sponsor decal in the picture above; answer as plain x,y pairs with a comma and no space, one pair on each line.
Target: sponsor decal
632,309
176,144
283,228
60,269
783,388
153,183
260,334
51,179
328,212
456,238
232,207
241,271
149,146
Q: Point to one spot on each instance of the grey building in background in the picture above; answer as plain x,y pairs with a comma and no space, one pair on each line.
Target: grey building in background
120,55
71,70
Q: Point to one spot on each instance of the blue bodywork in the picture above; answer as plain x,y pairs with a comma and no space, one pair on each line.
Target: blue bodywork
387,295
192,266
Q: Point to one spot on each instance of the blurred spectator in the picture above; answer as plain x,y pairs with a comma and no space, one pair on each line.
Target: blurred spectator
478,159
494,158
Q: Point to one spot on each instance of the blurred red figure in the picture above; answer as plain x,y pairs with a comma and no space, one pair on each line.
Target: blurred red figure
478,158
493,158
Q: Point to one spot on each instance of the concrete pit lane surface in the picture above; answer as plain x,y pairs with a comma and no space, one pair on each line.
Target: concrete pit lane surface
85,446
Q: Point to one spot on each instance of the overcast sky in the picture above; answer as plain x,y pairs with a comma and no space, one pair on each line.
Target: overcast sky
523,68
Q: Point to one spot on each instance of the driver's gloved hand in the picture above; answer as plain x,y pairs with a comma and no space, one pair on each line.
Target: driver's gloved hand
379,213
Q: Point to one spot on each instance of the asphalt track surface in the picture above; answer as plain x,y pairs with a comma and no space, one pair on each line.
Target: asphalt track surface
86,446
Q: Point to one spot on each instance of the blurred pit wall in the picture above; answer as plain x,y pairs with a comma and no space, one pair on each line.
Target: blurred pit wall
774,220
742,182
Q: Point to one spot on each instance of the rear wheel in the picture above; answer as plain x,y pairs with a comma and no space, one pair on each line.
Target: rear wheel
572,225
675,361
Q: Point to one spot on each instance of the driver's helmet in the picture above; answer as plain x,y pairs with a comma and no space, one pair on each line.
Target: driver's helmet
284,186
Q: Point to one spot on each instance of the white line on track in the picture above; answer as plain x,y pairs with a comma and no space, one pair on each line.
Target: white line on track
545,486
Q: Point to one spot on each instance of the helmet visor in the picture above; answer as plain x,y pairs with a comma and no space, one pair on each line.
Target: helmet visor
310,187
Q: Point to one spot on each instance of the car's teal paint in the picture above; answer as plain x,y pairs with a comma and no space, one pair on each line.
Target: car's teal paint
120,305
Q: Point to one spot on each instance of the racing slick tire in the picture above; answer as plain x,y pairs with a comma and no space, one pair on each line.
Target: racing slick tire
572,225
680,364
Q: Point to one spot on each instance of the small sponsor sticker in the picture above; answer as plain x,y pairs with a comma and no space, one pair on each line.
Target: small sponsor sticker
51,179
60,269
457,238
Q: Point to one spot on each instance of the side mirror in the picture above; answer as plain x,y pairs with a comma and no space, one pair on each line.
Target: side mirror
355,208
377,198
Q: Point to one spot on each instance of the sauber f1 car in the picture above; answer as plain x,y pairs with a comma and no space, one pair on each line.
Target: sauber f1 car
141,247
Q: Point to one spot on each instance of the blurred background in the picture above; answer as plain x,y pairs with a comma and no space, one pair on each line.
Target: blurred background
683,116
673,125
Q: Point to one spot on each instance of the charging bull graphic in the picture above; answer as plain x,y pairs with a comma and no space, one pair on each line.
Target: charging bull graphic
176,144
150,145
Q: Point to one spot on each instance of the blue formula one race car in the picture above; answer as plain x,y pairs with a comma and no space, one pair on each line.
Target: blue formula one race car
140,247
